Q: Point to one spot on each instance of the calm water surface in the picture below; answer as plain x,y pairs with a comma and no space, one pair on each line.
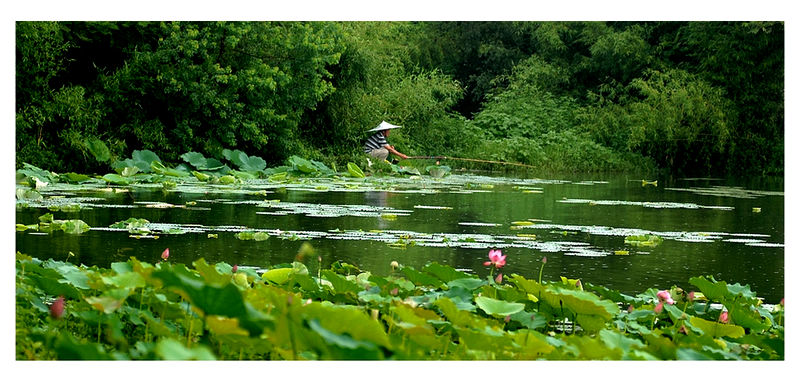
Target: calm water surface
709,227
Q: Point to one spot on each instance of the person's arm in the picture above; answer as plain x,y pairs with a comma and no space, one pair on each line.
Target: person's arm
394,151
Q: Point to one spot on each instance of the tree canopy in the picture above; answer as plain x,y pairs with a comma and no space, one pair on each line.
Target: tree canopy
688,97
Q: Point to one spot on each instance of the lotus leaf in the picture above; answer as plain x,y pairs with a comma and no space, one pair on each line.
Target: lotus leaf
210,273
498,307
69,348
354,170
443,272
117,179
75,226
160,168
353,349
28,194
221,325
277,276
104,304
717,329
711,288
170,349
226,300
98,149
420,279
75,178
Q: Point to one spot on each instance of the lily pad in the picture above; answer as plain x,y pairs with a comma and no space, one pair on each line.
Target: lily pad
498,307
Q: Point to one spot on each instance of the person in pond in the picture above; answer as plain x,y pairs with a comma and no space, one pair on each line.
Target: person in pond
376,146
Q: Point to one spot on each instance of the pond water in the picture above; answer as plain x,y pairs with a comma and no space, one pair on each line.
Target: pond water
732,230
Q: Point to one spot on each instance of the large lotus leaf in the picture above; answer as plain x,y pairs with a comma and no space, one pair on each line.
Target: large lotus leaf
277,276
146,156
530,320
252,163
302,165
354,170
32,171
533,344
587,303
498,307
221,325
711,288
226,300
160,168
469,284
444,272
98,149
746,316
75,178
616,340
74,226
105,304
420,279
49,282
717,329
28,194
131,280
343,319
117,179
484,338
457,316
592,348
68,348
72,274
341,346
235,156
210,273
340,284
170,349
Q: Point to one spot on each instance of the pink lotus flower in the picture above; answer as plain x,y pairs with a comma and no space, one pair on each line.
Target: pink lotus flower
165,254
499,278
723,317
659,307
496,259
665,297
57,308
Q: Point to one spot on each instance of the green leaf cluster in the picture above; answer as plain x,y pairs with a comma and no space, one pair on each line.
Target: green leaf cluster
136,310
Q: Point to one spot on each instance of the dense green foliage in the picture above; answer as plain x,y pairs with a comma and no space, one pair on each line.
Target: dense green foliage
298,311
688,97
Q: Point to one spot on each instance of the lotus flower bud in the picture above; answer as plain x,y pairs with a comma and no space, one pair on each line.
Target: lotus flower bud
57,308
499,278
235,268
659,307
165,254
723,317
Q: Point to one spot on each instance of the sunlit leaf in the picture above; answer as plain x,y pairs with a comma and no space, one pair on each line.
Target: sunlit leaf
170,349
717,329
354,171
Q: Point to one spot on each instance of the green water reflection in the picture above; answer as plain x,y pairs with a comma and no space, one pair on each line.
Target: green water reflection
580,236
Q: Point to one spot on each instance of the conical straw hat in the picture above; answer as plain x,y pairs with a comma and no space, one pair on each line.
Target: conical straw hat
383,126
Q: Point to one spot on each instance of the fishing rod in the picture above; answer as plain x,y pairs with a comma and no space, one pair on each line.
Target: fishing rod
470,160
